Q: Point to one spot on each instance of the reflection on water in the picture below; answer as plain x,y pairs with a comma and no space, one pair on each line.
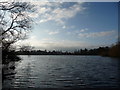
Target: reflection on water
49,71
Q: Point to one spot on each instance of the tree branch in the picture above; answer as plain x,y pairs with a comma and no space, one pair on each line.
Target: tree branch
10,25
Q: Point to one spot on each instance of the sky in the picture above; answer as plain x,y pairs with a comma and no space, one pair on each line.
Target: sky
73,25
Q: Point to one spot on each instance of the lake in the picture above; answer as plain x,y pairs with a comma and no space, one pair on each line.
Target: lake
64,71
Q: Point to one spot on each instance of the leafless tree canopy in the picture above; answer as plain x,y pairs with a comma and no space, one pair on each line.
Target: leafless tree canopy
14,22
26,48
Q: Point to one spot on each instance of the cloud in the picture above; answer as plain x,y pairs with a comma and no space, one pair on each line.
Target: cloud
97,34
33,15
53,33
83,30
54,11
76,32
50,43
63,44
64,27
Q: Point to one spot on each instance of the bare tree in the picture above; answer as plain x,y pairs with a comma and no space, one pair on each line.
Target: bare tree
14,22
26,48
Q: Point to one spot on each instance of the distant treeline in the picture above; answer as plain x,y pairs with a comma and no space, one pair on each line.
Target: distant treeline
103,51
76,52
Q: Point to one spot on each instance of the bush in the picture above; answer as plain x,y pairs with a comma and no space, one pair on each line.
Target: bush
114,51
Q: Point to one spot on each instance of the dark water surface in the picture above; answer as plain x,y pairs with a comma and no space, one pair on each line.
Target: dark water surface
64,71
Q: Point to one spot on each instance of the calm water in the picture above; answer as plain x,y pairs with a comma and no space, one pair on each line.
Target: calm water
50,71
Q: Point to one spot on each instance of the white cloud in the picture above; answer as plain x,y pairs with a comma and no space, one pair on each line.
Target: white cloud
54,11
33,15
64,27
50,43
53,33
80,31
97,34
63,44
76,32
83,30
